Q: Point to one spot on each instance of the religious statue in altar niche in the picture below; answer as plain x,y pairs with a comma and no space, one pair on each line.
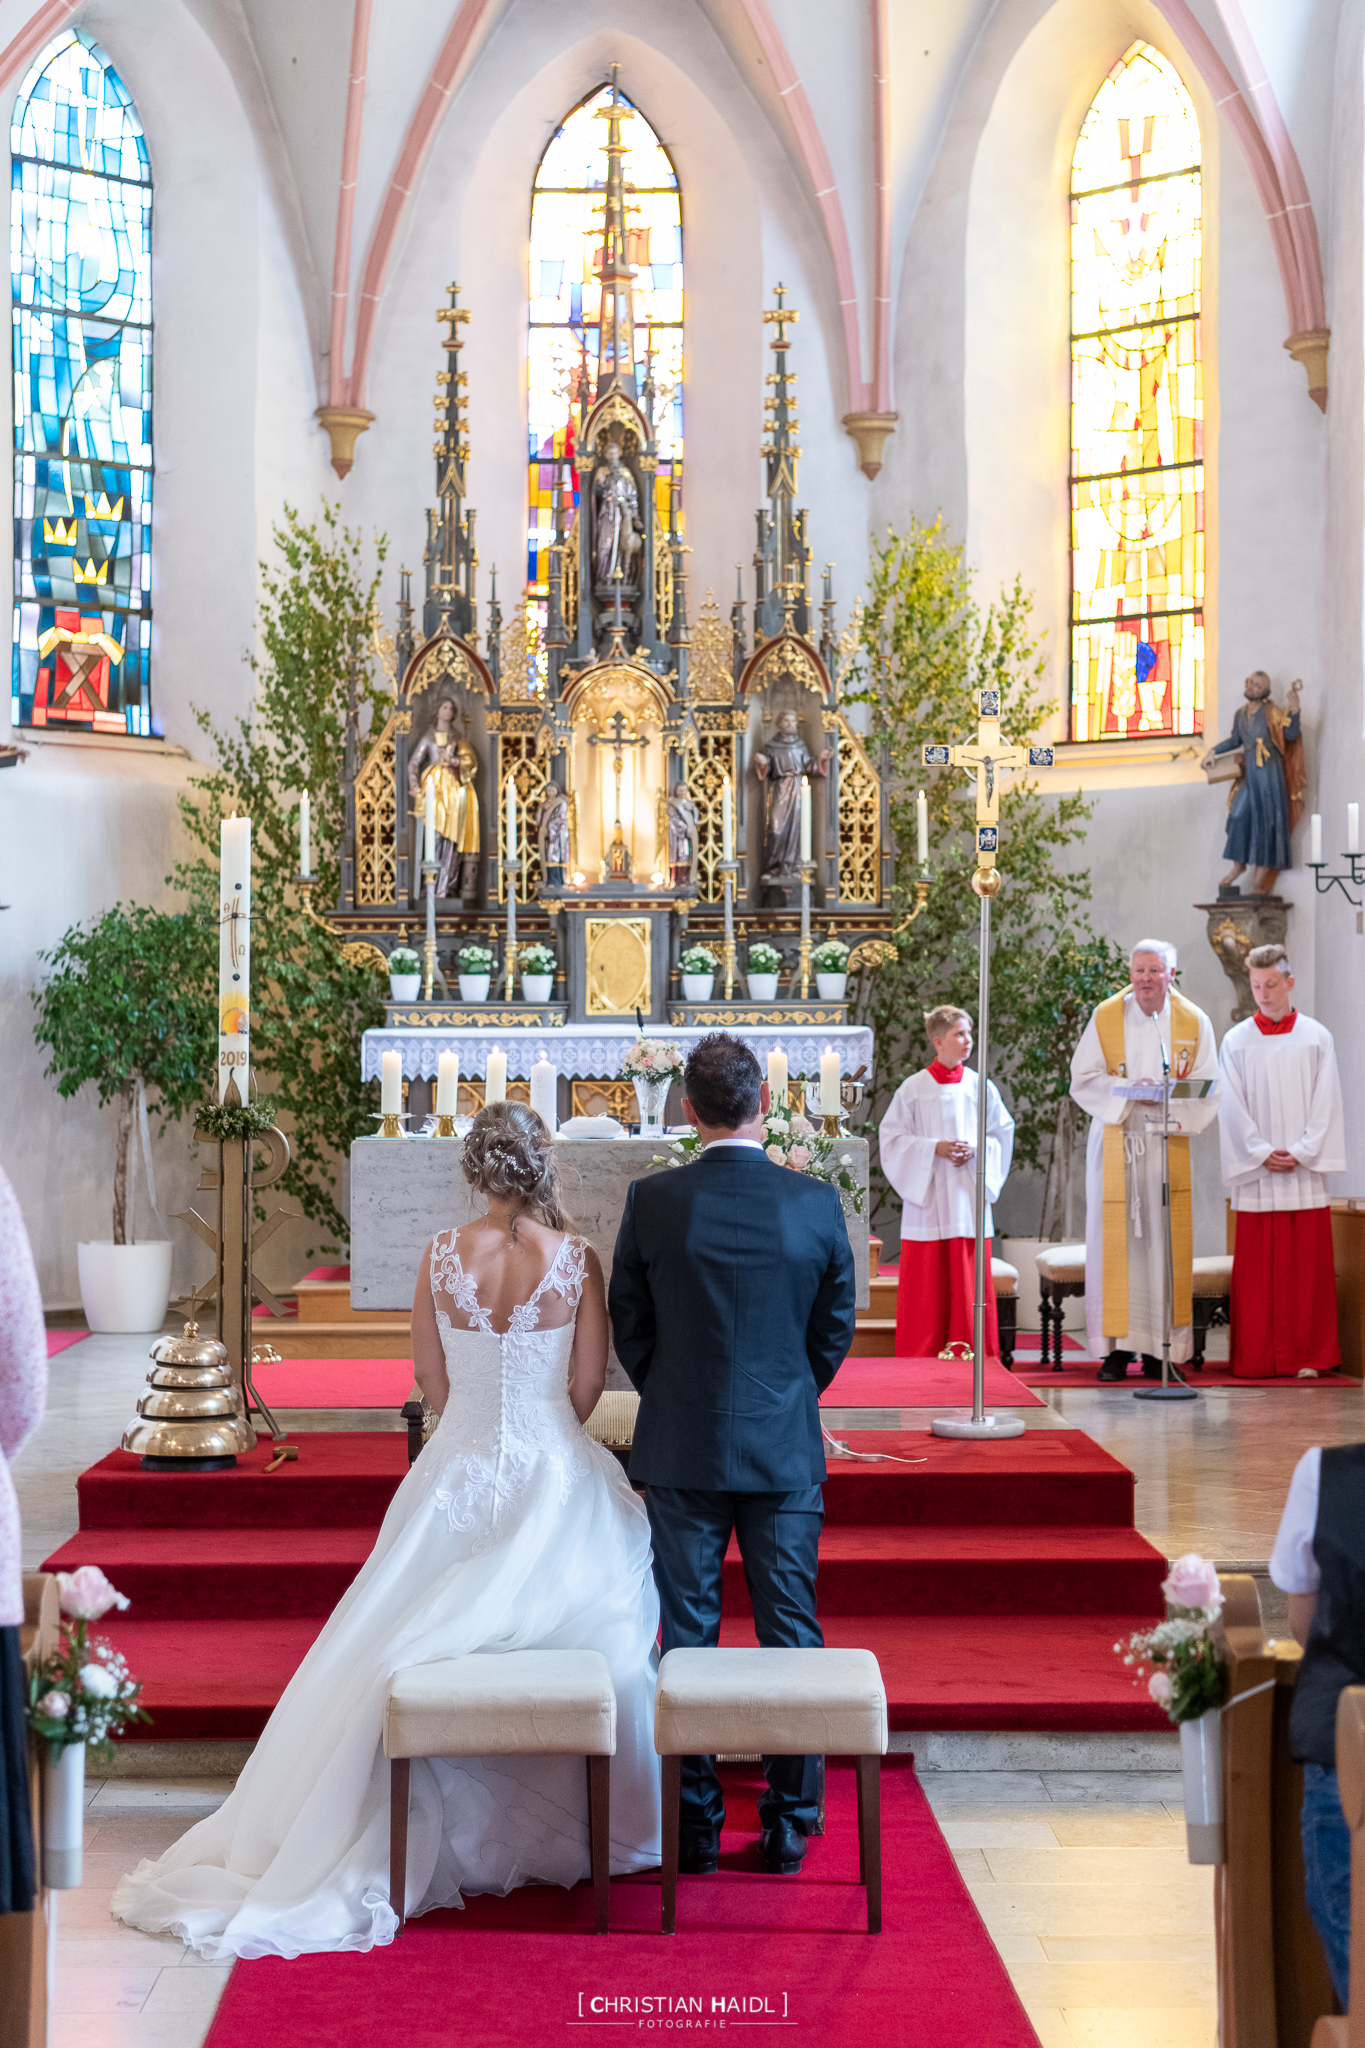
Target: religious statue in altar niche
683,824
552,836
780,763
1269,783
447,761
617,533
618,865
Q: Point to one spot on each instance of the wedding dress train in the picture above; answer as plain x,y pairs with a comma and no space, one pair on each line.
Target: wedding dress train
513,1530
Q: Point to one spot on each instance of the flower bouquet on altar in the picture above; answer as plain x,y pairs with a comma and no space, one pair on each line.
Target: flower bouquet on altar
82,1694
1187,1677
792,1140
653,1066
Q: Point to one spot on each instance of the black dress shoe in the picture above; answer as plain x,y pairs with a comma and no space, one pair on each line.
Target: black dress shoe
699,1858
784,1848
1115,1367
1151,1370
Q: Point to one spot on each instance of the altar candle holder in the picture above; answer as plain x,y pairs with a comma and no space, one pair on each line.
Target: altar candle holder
1326,883
727,870
391,1122
807,875
510,868
429,950
445,1126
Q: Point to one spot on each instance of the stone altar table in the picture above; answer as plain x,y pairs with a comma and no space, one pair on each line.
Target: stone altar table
403,1190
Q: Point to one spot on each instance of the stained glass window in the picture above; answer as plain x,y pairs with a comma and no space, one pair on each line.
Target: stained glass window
565,299
1137,409
81,285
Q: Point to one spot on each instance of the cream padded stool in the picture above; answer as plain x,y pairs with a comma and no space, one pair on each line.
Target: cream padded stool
519,1703
781,1703
1005,1287
1061,1271
1212,1300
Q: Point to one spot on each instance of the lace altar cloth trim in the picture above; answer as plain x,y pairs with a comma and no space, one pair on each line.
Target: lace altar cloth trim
594,1053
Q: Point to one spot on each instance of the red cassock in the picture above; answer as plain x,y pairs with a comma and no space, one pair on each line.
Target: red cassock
1284,1294
935,1297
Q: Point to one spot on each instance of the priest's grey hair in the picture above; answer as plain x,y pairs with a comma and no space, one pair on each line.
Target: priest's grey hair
1270,956
1161,947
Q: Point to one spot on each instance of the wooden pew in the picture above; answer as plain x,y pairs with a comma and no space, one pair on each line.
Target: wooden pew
1332,2031
25,1938
1273,1981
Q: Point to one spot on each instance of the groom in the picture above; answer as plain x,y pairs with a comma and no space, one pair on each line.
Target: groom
732,1299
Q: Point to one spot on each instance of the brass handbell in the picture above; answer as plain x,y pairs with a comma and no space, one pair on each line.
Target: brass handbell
192,1417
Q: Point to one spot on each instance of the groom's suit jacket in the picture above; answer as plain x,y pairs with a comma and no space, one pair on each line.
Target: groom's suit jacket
732,1308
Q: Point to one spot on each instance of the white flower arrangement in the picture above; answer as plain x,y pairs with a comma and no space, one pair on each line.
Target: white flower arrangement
476,960
790,1140
1183,1671
537,960
85,1692
764,959
402,960
651,1059
698,960
830,957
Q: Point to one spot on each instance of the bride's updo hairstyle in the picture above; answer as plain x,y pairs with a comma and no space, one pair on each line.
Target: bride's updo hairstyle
509,1153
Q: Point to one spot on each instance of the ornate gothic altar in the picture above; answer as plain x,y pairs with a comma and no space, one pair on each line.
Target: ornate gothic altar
617,724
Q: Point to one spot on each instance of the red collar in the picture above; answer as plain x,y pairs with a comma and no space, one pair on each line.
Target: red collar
944,1074
1285,1024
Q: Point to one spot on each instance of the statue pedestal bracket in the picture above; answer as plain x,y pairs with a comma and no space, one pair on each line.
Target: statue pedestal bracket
1236,925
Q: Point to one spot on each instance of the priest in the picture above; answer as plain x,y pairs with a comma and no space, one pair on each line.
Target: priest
1125,1247
928,1153
1282,1132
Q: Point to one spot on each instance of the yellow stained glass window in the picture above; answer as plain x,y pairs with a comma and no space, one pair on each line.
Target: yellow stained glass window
565,300
1137,408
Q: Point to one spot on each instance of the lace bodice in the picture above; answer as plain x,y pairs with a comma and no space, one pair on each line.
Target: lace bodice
448,1276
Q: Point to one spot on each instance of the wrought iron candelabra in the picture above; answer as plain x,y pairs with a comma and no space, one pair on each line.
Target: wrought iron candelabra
1355,876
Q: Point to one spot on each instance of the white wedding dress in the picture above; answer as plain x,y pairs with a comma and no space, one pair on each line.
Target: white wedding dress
514,1530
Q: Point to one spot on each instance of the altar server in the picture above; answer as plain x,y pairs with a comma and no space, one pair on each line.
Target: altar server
1125,1248
1282,1132
928,1152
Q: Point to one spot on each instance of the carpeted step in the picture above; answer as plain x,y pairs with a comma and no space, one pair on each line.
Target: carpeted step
342,1478
970,1572
1056,1476
238,1574
210,1679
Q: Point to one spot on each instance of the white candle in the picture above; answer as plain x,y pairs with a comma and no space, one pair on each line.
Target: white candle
447,1084
234,953
922,829
495,1084
805,819
511,819
544,1086
1315,840
777,1075
829,1082
305,834
1353,828
429,821
727,822
391,1084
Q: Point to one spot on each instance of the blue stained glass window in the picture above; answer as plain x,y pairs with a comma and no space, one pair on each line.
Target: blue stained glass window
81,292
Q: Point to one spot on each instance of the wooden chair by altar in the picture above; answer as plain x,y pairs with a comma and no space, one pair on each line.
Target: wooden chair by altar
1061,1272
1335,2031
1273,1981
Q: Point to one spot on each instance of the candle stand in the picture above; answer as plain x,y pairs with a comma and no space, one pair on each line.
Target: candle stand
511,868
430,969
1355,876
807,875
445,1127
727,870
921,898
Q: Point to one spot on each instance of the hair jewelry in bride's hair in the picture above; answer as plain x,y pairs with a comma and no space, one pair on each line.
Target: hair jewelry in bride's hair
509,1153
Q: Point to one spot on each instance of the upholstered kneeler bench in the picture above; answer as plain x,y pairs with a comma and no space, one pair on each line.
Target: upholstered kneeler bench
1212,1285
519,1703
1061,1271
1005,1287
781,1703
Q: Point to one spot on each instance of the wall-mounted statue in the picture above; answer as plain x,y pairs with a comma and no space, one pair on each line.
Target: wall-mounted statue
552,836
450,763
618,536
1269,785
684,834
781,762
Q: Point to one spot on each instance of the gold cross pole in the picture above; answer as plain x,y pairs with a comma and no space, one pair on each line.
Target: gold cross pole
988,758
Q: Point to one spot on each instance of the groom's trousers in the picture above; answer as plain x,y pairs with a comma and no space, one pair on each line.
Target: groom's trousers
778,1536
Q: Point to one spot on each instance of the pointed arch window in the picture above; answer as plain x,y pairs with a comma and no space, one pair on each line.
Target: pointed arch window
1137,408
81,298
565,303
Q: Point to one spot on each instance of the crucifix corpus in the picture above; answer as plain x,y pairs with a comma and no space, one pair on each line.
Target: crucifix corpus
618,738
987,758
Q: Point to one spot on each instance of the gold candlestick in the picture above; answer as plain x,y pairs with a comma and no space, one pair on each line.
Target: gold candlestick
511,868
727,870
807,873
445,1126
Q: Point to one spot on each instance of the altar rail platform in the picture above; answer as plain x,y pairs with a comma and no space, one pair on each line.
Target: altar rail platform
991,1581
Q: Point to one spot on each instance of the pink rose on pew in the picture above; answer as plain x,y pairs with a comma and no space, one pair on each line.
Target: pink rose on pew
87,1594
800,1157
1192,1582
1160,1688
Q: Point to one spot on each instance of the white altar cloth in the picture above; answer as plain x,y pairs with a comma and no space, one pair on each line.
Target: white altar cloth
595,1051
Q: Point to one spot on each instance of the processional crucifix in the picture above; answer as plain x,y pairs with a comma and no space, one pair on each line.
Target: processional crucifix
988,758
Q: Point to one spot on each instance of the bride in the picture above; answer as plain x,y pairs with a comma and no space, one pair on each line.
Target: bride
514,1530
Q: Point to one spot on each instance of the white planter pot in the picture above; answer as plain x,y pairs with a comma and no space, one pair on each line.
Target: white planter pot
697,987
125,1286
474,988
762,988
831,987
63,1815
1201,1764
405,988
536,987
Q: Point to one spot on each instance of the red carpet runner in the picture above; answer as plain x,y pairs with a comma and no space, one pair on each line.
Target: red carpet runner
525,1970
991,1581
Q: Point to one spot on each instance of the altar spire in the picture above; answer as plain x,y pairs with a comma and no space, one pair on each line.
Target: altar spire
616,328
449,555
782,556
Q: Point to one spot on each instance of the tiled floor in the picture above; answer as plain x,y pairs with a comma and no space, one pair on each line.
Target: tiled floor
1081,1876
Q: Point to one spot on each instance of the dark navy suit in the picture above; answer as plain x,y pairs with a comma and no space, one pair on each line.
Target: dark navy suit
732,1308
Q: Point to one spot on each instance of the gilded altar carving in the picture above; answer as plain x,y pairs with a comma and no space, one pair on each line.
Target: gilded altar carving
709,673
860,813
618,959
444,657
376,815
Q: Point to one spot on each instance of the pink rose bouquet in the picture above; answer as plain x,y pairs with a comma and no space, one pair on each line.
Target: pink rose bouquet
1179,1658
790,1140
84,1692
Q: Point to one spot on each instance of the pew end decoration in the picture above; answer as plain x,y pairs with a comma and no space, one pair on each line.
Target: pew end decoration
1182,1662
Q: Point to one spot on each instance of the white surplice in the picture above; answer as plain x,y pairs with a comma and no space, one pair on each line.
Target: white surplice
939,1199
1281,1093
1092,1087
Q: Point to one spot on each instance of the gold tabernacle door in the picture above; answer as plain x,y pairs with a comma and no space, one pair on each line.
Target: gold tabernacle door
618,965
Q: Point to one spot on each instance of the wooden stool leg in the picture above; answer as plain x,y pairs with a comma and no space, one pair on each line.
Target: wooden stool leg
599,1835
400,1771
672,1811
870,1837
